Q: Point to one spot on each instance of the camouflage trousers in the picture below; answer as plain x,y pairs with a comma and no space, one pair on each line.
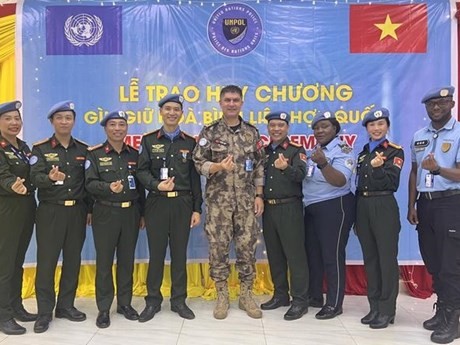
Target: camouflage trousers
225,222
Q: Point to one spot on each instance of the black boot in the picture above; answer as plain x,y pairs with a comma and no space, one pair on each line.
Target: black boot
435,322
448,331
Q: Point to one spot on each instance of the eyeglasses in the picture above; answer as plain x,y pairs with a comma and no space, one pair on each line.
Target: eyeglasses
442,103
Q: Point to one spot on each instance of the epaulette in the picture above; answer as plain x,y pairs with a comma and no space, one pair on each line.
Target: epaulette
188,135
81,142
92,148
132,147
251,125
394,145
294,144
213,123
42,142
345,148
149,133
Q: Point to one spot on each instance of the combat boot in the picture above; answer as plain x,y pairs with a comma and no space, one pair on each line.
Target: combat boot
247,302
448,331
222,304
436,321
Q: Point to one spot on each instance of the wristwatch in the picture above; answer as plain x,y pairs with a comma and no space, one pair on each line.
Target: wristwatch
436,172
322,166
260,196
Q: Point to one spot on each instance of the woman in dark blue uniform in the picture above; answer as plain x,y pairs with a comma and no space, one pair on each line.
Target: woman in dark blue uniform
17,214
377,218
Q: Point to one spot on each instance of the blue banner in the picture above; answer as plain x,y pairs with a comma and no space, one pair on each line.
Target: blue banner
297,56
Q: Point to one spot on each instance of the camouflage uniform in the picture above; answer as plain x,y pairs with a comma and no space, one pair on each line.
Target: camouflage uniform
230,195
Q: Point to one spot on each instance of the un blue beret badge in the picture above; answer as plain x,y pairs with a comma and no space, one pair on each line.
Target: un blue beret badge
443,92
327,114
378,114
72,106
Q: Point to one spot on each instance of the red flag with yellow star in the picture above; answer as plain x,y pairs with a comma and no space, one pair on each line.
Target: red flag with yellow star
388,28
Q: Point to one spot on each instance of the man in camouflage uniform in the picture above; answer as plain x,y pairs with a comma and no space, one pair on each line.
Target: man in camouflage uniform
230,155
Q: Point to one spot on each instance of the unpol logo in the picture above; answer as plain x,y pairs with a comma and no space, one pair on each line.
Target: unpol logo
234,30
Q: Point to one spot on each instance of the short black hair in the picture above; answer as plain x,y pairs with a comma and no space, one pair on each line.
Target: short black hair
231,89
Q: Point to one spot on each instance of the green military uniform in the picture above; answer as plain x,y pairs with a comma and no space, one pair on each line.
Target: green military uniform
17,214
283,222
115,220
168,214
61,219
378,224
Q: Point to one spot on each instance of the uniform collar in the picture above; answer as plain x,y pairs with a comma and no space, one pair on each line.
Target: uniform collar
372,145
5,143
241,124
108,148
449,125
334,142
284,144
161,133
55,142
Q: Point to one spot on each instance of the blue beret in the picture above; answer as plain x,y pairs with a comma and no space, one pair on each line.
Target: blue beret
176,98
278,115
61,106
114,115
445,91
376,114
10,106
320,116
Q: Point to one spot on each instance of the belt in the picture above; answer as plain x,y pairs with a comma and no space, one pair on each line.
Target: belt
66,203
175,194
376,193
281,201
123,204
440,194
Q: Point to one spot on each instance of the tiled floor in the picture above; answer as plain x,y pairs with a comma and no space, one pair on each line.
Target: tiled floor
168,328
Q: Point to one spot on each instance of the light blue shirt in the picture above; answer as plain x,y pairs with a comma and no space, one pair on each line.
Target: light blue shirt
315,186
445,144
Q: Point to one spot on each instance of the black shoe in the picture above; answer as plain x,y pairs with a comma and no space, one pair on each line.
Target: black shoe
11,327
103,319
128,312
366,320
275,302
382,321
23,315
436,321
296,312
316,302
448,331
43,322
72,314
149,312
328,312
183,310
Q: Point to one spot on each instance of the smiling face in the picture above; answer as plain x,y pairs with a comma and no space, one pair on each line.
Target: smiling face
439,110
10,123
171,113
324,131
116,130
278,130
377,129
63,122
231,104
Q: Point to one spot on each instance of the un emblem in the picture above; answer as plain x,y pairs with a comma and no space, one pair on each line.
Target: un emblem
83,29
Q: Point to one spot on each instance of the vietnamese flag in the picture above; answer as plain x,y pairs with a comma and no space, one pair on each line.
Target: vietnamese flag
388,28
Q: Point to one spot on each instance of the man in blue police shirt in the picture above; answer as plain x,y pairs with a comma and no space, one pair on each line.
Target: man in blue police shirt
435,176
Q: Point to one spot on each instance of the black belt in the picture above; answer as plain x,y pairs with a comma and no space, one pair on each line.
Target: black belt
281,201
375,193
175,194
66,203
440,194
122,204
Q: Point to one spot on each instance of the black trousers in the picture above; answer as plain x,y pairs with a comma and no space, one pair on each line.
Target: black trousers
377,226
439,240
284,239
17,214
168,222
59,228
114,229
327,228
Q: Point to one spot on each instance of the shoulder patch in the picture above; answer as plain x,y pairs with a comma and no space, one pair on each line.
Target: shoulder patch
294,144
149,133
345,148
188,135
213,123
81,142
92,148
42,142
251,125
394,145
